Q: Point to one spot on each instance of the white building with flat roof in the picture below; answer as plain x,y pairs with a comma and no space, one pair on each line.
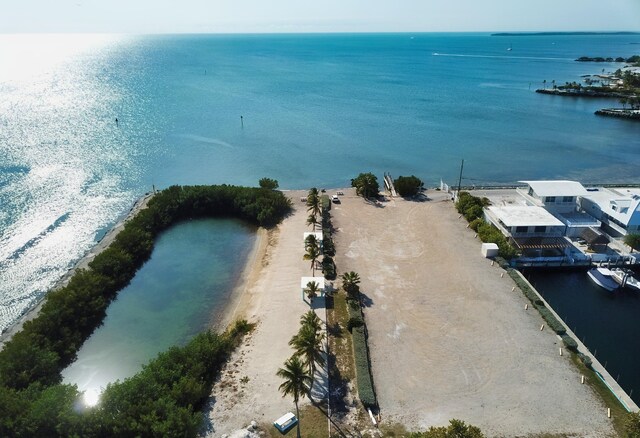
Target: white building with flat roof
525,221
557,196
617,208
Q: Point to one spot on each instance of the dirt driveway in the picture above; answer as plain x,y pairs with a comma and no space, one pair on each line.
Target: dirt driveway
448,337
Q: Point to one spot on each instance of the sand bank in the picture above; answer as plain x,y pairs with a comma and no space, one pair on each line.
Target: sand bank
240,300
270,297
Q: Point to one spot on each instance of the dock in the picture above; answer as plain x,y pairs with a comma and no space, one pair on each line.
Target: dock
388,184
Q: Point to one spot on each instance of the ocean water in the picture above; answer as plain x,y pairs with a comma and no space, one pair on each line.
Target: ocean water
317,109
192,270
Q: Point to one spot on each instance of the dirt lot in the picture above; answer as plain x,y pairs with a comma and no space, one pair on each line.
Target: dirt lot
448,337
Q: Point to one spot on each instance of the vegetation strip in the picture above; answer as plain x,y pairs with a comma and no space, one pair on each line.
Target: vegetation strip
358,329
31,363
472,208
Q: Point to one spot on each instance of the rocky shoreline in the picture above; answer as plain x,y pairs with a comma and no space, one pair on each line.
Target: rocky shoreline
581,93
620,113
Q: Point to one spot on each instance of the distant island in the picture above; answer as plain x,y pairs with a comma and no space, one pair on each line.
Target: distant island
632,59
561,33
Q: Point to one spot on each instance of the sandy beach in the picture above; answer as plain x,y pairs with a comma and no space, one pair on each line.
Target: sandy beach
83,263
448,337
269,296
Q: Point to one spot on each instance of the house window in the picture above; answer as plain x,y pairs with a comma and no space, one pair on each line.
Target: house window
567,199
540,229
522,229
551,199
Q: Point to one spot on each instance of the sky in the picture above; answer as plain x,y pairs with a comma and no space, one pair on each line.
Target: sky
270,16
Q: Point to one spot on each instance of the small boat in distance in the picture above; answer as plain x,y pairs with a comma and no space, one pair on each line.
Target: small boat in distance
510,48
603,278
625,278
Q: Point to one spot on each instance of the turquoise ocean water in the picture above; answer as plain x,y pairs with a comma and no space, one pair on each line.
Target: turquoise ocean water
317,110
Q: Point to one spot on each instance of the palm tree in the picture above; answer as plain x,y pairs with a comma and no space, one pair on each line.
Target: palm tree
312,289
313,253
308,344
310,319
311,240
350,282
296,382
313,202
313,220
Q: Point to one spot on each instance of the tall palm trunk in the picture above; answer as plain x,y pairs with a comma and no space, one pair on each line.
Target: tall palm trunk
298,416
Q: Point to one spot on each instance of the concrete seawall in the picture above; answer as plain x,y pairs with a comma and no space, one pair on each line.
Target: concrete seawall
616,389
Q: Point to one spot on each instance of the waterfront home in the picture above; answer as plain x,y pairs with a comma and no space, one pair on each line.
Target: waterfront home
562,199
556,196
618,209
524,221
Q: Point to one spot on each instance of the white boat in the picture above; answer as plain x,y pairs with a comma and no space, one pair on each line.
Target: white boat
603,278
625,278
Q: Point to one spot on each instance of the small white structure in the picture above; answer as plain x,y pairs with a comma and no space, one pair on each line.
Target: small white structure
489,250
304,281
525,221
286,422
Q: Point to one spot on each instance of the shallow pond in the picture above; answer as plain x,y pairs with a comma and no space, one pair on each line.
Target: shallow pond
180,291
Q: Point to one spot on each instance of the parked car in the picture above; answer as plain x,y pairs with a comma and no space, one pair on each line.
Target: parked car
335,199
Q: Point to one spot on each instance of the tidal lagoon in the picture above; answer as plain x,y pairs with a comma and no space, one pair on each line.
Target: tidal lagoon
191,274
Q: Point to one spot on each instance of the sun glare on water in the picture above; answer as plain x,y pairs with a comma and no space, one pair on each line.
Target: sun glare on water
91,397
25,56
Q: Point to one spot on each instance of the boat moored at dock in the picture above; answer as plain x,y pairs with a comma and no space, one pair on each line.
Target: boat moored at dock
625,278
603,277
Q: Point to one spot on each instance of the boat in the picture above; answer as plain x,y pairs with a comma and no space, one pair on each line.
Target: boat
625,278
603,278
510,48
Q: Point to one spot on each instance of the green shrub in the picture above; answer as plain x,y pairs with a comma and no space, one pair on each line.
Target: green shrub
366,185
569,342
268,183
328,247
328,268
354,321
408,185
586,360
551,320
364,380
489,233
325,203
474,224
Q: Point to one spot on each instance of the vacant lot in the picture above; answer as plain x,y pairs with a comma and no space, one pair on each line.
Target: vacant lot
448,337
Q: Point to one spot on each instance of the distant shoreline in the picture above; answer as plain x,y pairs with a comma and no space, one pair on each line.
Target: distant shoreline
561,33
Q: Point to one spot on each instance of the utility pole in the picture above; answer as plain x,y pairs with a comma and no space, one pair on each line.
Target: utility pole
460,178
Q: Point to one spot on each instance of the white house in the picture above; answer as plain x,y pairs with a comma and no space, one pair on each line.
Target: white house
562,199
525,221
618,209
556,196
